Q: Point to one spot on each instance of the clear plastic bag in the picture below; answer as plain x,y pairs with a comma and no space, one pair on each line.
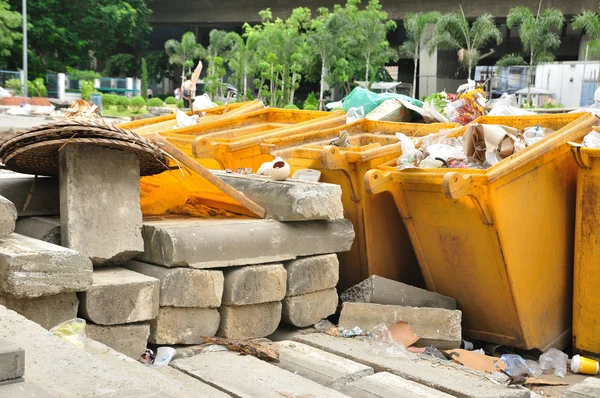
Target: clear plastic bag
534,367
531,135
515,365
507,105
554,359
381,341
355,114
72,331
408,152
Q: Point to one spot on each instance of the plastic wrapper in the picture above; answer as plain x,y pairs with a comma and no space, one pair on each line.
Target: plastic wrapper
342,141
214,348
515,365
72,331
355,114
381,341
360,97
535,369
467,108
554,359
531,135
352,332
507,105
592,140
431,163
408,152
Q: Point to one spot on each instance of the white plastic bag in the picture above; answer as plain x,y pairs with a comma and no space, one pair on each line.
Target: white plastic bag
184,120
554,359
507,105
446,152
592,140
203,102
355,114
408,151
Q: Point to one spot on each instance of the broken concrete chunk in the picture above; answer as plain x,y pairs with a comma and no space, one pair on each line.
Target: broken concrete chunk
378,290
32,268
184,287
322,367
308,309
254,284
42,228
312,274
290,200
130,340
47,311
100,203
12,361
193,243
183,325
40,192
249,321
387,385
8,216
588,388
435,326
118,295
246,376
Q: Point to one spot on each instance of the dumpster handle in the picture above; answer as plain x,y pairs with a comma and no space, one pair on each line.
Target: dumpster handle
579,156
455,186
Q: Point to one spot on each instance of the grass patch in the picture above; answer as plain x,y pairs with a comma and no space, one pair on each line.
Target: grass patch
112,111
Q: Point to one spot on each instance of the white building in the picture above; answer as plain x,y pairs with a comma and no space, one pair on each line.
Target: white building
572,83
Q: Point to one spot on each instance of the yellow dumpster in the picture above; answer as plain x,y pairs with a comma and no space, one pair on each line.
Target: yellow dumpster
586,278
381,246
500,241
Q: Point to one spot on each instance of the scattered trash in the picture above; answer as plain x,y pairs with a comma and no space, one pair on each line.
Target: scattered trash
352,332
202,102
214,348
592,140
184,120
491,143
246,348
434,352
391,110
342,140
534,381
355,114
506,105
380,339
368,100
584,365
278,169
148,356
554,359
308,175
245,171
475,360
72,331
535,134
534,368
163,357
516,365
467,345
403,333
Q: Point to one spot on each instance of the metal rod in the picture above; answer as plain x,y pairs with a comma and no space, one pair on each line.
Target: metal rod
25,77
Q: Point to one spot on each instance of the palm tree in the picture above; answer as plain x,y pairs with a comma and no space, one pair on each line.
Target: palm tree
185,52
243,55
537,36
453,32
589,22
219,42
416,26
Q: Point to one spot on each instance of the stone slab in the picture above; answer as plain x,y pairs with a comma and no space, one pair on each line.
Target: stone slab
31,268
42,228
289,200
249,321
246,376
387,385
588,388
210,243
254,284
130,339
289,332
22,389
100,203
312,274
118,295
308,309
378,290
436,326
8,217
47,311
96,371
445,376
184,287
317,365
183,325
44,199
12,361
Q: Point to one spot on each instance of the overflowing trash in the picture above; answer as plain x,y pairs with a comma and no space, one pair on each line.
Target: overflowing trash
554,359
72,331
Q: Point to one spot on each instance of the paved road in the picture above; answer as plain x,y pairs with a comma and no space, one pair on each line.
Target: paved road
20,122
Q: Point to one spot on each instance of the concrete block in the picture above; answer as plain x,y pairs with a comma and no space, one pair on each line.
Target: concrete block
130,340
378,290
184,287
312,274
290,200
22,389
588,388
246,376
8,217
96,371
445,376
224,243
183,325
249,321
100,203
436,326
47,311
12,361
254,284
118,295
387,385
42,228
317,365
44,200
308,309
31,268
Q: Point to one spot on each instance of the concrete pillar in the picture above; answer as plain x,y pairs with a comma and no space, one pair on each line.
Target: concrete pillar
61,84
138,86
129,86
427,73
96,83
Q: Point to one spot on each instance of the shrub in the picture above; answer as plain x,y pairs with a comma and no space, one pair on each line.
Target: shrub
219,103
87,89
180,104
122,102
170,100
144,79
15,86
249,96
37,88
154,102
337,108
137,103
291,106
109,100
311,100
310,107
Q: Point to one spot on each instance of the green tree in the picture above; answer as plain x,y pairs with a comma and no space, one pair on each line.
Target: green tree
121,65
10,22
243,56
144,79
538,37
589,22
453,32
419,30
159,66
216,54
184,52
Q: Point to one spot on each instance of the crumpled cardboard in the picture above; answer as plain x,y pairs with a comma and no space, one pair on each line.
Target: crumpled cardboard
494,138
